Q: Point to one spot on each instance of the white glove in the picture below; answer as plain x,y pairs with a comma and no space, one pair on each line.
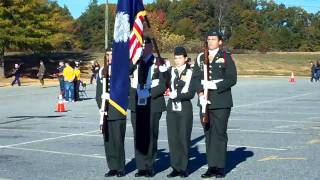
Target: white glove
203,101
210,84
163,68
101,114
105,96
173,95
155,83
168,64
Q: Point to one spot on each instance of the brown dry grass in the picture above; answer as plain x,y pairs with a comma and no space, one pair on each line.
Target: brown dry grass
270,64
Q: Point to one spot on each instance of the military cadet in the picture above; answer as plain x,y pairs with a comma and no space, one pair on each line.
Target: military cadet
313,70
16,73
221,76
179,113
146,103
41,73
112,124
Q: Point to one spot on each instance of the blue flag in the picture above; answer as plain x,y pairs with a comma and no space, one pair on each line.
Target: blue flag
119,83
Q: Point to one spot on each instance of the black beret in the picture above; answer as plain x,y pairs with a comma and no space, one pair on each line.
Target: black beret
214,32
180,51
146,40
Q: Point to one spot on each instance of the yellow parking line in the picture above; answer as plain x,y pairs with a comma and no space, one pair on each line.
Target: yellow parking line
314,141
270,158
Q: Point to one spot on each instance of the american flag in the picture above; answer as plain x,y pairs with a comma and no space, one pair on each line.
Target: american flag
136,38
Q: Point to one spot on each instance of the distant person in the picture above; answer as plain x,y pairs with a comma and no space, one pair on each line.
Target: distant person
69,76
95,70
77,63
317,71
60,77
41,72
77,82
313,71
16,73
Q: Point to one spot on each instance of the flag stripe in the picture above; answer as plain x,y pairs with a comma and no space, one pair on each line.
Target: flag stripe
134,51
136,36
119,108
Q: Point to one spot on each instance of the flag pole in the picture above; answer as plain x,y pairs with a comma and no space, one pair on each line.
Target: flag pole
104,103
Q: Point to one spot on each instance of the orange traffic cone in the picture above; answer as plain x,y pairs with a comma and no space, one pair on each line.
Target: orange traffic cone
60,105
292,79
166,93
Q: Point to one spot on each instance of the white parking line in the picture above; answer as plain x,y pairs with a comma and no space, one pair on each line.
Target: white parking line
76,154
272,101
57,152
267,132
256,147
246,130
316,117
127,138
263,120
274,120
63,153
88,134
68,121
31,131
129,159
47,139
230,145
273,112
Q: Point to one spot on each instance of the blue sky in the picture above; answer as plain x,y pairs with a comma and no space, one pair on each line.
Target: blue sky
77,7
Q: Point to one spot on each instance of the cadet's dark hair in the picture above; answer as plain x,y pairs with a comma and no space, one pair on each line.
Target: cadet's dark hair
147,40
108,49
178,51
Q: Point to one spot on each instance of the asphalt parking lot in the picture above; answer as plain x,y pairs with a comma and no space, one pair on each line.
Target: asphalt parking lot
274,133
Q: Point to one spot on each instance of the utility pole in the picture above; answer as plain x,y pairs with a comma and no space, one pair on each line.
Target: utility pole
106,25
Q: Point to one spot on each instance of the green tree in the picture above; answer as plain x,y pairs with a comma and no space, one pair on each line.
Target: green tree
36,25
90,28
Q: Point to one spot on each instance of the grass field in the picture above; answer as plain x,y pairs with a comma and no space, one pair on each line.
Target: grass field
270,64
275,64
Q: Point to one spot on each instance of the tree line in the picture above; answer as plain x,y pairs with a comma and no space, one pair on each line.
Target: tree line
258,25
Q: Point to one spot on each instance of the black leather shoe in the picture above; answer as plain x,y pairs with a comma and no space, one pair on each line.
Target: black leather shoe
220,173
214,171
121,174
174,173
140,173
111,173
149,173
184,174
210,172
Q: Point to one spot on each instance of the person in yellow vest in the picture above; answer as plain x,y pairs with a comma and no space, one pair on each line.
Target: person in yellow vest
69,76
77,82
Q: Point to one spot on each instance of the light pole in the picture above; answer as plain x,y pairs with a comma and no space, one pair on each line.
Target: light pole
106,25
